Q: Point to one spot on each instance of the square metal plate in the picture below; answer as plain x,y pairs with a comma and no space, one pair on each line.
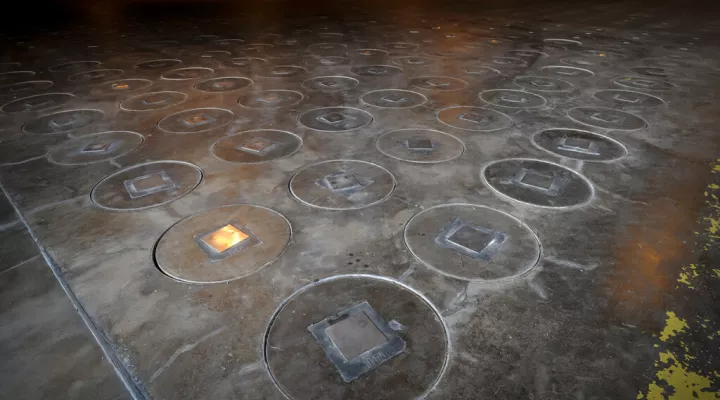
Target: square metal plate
98,146
259,146
343,183
471,240
420,144
578,145
335,118
198,120
223,241
608,118
148,184
474,118
539,182
357,340
394,98
63,122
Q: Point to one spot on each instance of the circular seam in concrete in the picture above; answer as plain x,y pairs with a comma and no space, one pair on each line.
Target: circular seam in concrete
252,83
212,149
445,273
303,84
567,113
50,159
60,112
387,196
120,105
92,191
480,96
200,131
285,302
251,95
560,208
206,69
437,115
426,77
532,140
54,68
462,144
662,102
394,90
159,59
290,236
348,130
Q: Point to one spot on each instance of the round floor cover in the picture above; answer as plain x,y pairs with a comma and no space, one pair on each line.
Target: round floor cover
537,182
512,98
222,244
471,242
224,84
75,66
183,74
257,146
628,98
356,337
196,120
270,99
393,98
146,185
474,119
63,121
95,75
377,70
38,102
342,184
153,101
643,83
335,119
542,84
326,61
15,76
579,145
95,147
440,83
24,88
121,86
282,71
420,145
330,83
565,72
607,118
158,64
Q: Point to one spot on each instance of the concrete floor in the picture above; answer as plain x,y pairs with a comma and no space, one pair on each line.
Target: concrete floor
373,202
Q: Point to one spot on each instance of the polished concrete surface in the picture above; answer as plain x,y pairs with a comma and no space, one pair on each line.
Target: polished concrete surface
361,201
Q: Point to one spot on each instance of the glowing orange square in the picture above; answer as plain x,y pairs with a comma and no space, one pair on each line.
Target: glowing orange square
120,86
225,238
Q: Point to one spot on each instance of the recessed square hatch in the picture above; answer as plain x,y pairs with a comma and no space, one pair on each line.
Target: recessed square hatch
548,184
471,240
335,118
148,184
259,146
474,118
357,340
578,145
343,183
223,241
97,147
420,144
198,120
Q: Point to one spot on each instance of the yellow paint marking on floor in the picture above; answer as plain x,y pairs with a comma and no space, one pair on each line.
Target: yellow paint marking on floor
685,384
673,326
674,379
